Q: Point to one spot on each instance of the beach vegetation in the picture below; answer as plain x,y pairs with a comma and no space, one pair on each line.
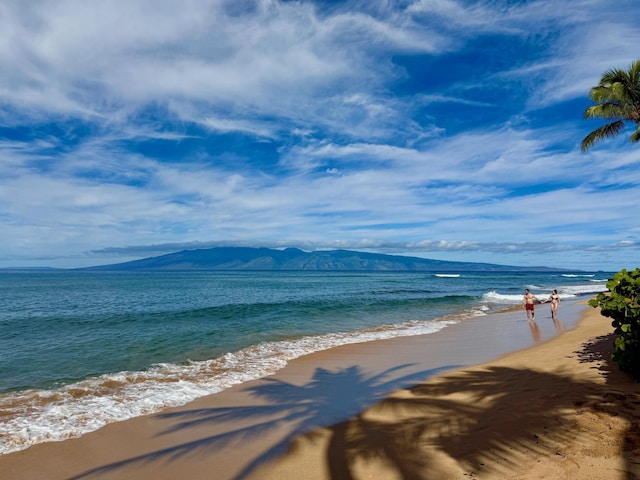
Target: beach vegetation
621,303
617,99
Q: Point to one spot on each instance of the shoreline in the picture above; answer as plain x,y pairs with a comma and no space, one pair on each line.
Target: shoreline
72,405
237,433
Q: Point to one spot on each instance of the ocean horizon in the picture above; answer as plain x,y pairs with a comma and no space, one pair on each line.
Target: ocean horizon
82,349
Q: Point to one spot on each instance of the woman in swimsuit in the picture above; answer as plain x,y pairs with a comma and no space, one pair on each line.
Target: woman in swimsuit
554,298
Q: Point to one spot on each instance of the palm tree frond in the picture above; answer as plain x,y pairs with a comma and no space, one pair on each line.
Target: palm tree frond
607,110
606,131
621,91
600,94
634,72
614,76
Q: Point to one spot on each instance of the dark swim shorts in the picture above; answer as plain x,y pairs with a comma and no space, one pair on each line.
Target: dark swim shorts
528,306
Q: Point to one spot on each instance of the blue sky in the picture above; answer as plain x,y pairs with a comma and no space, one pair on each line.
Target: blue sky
443,129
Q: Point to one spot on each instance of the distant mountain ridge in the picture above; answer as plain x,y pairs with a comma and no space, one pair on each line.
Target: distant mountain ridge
293,259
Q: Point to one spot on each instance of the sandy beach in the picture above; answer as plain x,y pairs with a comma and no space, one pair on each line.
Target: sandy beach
449,405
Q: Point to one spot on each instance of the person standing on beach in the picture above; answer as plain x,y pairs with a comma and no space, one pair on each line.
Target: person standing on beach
527,302
554,298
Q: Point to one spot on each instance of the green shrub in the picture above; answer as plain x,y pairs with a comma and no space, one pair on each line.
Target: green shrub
621,304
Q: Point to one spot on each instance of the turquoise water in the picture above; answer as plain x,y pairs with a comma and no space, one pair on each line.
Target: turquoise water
82,349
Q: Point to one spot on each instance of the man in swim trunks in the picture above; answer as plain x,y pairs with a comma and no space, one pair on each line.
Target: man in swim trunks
527,302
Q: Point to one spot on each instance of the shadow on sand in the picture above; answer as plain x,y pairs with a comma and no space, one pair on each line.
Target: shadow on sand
406,431
329,397
431,428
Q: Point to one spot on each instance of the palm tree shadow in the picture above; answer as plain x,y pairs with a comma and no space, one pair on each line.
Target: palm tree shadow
414,430
328,398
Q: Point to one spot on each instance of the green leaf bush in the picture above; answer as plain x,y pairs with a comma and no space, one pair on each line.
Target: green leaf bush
621,304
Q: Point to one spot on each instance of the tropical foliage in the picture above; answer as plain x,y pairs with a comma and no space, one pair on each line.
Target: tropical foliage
617,99
621,304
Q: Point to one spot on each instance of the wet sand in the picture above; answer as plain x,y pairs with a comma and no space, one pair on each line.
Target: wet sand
415,407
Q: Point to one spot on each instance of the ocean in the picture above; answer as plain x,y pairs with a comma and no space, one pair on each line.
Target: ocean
81,349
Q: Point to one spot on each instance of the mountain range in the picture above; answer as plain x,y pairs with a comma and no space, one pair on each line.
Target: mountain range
293,259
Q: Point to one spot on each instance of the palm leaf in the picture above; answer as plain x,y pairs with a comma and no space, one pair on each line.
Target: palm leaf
606,110
606,131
